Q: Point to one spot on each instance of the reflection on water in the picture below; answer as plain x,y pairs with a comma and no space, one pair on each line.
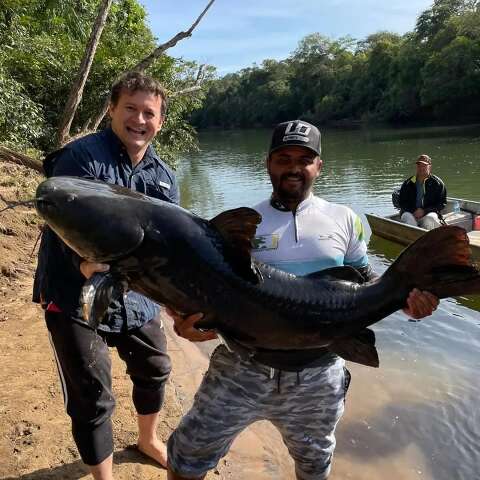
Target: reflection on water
418,415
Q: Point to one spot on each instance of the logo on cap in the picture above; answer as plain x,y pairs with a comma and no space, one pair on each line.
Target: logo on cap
297,131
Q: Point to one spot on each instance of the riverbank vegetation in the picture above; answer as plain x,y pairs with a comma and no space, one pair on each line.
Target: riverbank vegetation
44,45
429,74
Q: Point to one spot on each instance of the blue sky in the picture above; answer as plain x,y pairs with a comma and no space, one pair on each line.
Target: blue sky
237,33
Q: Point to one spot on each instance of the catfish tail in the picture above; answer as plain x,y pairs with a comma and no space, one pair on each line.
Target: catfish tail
439,262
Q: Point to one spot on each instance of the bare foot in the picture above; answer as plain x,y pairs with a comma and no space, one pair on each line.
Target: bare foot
155,450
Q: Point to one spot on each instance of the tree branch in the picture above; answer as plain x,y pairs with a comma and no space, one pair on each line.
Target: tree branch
76,92
193,88
185,91
101,115
146,62
9,156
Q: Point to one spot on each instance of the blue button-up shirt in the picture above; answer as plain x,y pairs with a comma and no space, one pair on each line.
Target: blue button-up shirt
99,156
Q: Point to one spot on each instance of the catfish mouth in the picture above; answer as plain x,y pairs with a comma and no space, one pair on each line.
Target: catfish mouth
43,204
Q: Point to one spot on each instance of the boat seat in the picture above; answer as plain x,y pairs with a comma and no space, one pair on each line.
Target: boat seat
460,219
474,237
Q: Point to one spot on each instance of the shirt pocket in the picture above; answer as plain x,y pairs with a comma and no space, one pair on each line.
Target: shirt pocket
159,189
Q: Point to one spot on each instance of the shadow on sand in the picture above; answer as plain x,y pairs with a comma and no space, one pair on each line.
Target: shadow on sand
77,469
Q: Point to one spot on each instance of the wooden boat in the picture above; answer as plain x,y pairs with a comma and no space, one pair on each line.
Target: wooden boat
464,213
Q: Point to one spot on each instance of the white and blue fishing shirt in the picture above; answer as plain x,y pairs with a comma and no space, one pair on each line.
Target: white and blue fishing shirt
318,235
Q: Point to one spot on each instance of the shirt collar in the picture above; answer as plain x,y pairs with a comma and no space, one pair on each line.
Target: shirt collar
277,205
119,147
414,179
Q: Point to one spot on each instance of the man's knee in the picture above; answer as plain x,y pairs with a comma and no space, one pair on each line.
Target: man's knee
187,458
315,473
408,218
430,221
145,354
149,385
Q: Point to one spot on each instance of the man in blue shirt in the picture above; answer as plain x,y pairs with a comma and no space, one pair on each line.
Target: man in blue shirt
121,155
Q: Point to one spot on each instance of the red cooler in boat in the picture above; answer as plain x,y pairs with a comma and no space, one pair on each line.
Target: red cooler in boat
476,222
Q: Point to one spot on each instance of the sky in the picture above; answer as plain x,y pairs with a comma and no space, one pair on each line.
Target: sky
235,34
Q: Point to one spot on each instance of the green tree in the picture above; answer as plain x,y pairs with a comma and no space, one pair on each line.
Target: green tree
429,74
43,43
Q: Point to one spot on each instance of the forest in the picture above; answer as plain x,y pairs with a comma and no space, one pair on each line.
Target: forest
43,44
431,74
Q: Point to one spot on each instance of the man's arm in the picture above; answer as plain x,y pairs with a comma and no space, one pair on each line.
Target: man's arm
68,162
403,198
441,199
174,191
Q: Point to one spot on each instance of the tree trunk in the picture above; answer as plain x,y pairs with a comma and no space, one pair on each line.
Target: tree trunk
7,155
76,91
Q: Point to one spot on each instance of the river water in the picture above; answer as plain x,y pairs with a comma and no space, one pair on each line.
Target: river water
418,415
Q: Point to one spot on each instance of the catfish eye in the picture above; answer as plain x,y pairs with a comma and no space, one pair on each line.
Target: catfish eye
71,197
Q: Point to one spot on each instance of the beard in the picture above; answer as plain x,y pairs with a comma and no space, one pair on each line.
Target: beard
297,192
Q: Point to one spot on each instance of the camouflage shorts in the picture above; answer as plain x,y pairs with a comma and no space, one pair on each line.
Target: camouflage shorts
305,407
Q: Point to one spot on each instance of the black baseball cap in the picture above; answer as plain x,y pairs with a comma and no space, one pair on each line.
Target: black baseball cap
298,133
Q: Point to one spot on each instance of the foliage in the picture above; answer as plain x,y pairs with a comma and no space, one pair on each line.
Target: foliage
42,44
21,119
431,73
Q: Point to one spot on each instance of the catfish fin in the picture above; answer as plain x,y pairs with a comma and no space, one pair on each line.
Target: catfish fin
346,272
97,294
237,227
440,262
359,348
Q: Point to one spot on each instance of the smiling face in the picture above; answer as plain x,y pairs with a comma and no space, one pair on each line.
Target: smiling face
293,171
136,119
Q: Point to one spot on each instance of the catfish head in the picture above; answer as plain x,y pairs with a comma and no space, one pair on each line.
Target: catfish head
97,220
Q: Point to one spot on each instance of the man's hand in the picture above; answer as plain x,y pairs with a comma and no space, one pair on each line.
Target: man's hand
89,268
419,213
184,326
420,304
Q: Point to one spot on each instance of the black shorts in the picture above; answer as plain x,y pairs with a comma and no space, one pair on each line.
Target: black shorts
84,367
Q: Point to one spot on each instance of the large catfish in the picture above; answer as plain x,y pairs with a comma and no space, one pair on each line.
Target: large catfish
197,265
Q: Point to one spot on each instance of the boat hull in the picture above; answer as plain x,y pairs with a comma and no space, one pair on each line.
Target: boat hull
392,229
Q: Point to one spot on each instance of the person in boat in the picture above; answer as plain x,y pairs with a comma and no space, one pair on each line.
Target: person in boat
422,196
301,392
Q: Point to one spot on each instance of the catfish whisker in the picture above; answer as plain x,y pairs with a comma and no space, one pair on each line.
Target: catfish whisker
10,204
